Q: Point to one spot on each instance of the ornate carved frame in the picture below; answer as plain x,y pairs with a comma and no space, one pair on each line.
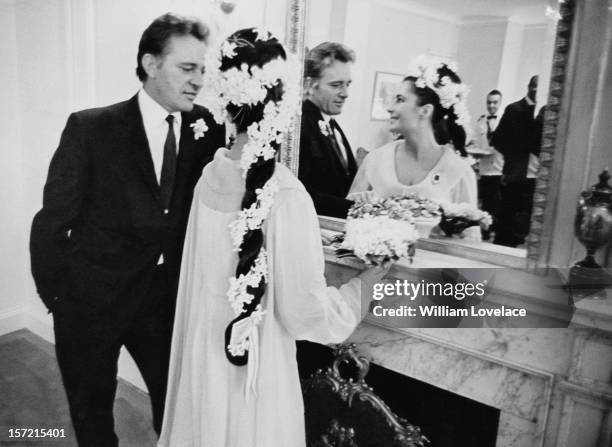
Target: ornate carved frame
553,135
296,29
348,390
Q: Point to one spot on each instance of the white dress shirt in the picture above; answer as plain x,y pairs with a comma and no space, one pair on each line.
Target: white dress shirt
492,163
156,128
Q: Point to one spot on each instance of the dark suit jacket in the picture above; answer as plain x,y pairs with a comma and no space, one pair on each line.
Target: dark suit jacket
517,135
320,169
97,239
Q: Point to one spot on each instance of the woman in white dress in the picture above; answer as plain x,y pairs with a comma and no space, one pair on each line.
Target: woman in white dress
428,112
233,374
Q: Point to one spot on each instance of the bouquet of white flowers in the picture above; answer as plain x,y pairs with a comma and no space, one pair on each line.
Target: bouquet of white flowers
380,231
456,217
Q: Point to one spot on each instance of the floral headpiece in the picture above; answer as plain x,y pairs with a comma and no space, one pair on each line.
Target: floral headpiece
248,86
452,95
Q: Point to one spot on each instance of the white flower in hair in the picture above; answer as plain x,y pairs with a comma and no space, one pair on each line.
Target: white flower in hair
452,95
228,49
262,34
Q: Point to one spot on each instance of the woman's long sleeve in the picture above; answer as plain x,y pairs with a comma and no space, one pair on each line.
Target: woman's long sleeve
305,306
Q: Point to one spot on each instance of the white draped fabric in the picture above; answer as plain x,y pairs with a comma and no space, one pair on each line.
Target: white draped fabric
207,403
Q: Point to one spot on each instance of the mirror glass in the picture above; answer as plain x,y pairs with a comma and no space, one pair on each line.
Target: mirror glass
497,46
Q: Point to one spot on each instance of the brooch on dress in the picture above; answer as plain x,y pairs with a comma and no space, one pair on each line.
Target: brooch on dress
436,178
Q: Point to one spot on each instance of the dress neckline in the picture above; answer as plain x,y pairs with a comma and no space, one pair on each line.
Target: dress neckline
435,167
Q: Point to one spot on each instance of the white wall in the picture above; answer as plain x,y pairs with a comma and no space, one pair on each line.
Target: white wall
13,240
396,37
60,56
479,59
497,53
532,53
491,52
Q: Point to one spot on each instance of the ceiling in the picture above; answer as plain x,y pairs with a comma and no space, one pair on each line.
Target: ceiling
524,11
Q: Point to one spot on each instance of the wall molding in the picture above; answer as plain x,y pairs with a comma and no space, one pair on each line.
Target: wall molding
13,319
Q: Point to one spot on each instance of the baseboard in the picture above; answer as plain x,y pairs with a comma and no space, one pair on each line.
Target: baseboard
13,319
41,323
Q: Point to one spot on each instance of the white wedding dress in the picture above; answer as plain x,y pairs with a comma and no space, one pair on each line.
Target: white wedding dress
207,403
451,180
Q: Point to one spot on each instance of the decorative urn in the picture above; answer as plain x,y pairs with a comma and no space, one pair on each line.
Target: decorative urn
593,228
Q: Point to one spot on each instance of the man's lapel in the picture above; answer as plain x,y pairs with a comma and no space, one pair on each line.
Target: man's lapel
139,146
326,147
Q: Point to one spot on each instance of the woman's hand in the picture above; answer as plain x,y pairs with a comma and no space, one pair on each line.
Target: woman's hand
363,196
369,277
375,274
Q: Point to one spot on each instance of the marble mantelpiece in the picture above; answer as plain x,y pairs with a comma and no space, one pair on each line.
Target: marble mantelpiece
553,386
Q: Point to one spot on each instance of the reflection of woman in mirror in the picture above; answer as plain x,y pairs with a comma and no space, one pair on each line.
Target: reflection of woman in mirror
252,271
428,112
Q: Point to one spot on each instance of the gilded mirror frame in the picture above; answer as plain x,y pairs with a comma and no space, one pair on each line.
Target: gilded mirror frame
552,137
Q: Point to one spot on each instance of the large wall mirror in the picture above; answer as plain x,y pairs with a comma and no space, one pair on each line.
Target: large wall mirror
497,46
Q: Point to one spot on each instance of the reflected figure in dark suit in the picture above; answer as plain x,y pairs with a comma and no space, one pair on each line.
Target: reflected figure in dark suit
517,138
106,245
326,164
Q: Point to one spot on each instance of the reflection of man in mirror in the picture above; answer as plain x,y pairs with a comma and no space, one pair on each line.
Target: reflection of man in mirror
518,138
491,164
327,164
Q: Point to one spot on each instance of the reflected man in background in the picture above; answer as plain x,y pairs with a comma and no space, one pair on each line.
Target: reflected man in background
518,139
327,165
491,164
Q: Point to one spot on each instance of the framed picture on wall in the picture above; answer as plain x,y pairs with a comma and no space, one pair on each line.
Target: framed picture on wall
385,85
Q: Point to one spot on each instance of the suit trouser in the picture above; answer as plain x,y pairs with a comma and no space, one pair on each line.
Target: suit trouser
515,213
87,351
489,191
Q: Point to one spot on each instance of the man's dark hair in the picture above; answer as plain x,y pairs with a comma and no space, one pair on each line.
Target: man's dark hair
494,92
323,55
155,38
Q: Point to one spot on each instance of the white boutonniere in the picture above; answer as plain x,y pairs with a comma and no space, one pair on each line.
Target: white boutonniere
324,128
199,128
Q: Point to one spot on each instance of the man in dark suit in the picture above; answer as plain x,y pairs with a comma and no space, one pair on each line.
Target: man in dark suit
517,138
106,245
327,163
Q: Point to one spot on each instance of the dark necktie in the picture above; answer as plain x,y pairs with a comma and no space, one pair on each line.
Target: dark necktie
168,171
333,125
490,127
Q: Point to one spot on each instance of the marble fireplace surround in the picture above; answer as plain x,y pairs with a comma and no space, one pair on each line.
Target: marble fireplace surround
553,386
486,375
